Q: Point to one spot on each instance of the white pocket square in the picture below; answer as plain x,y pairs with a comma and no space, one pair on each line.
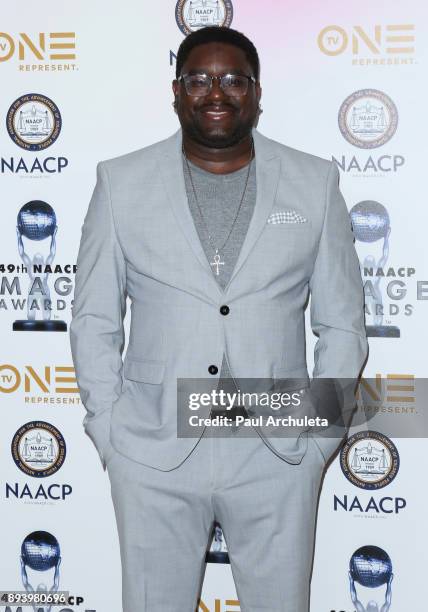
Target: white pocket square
286,216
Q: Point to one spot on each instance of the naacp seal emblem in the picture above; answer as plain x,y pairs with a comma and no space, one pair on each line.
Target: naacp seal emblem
192,15
38,449
368,118
369,460
33,122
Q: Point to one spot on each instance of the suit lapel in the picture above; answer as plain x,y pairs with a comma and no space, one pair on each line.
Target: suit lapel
173,179
267,176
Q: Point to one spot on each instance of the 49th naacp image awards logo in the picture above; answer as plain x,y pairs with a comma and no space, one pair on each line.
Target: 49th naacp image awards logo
40,552
192,15
371,567
38,449
37,223
33,122
369,460
371,224
368,118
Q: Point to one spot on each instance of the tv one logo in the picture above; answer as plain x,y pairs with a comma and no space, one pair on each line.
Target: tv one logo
390,39
43,46
47,380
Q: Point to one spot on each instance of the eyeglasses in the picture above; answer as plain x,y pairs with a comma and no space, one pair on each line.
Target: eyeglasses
201,84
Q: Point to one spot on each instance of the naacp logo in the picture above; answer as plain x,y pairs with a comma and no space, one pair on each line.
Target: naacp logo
33,122
368,118
38,449
192,15
369,460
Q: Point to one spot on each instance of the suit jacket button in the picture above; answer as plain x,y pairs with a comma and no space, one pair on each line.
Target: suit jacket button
212,369
224,309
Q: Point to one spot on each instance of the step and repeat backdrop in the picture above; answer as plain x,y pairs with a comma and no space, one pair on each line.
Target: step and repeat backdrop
87,81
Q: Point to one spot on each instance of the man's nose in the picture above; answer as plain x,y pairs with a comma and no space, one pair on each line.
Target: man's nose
216,92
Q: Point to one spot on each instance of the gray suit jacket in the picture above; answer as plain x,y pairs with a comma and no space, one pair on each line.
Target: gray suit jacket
139,240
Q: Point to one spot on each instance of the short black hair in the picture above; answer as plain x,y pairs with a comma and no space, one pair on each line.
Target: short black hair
220,34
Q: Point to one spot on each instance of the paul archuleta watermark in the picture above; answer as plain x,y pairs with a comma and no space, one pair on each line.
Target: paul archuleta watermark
224,404
286,407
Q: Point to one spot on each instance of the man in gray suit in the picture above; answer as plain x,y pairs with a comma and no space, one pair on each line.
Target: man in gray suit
217,235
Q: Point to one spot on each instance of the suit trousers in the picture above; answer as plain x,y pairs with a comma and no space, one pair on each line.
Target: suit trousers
266,507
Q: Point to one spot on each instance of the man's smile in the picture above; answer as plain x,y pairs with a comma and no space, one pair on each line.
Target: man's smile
216,112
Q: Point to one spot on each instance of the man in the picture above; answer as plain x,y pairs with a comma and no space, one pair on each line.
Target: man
217,235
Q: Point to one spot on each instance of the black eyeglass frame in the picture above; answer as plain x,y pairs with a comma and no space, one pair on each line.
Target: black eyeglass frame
223,76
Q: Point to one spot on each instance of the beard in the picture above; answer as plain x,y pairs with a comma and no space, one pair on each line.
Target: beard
216,137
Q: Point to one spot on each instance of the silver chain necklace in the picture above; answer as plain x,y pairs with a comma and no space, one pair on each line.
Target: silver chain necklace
217,257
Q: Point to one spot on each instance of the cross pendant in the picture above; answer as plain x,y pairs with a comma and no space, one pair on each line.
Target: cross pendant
217,263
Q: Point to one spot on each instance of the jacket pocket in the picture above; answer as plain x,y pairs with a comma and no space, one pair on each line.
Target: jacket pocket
146,370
